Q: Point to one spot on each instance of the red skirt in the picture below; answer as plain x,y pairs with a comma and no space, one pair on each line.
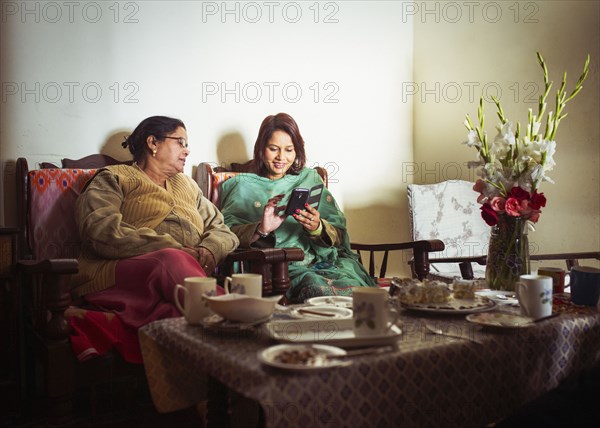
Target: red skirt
143,292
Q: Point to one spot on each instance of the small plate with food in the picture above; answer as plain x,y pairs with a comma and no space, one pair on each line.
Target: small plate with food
303,357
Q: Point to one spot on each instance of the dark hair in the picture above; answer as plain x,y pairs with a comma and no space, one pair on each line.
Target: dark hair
279,122
158,126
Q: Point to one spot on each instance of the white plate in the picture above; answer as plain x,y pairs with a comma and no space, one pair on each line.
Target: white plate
341,301
454,306
330,312
500,320
318,360
336,332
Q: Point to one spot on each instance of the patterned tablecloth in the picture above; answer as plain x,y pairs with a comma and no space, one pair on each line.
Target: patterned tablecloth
429,380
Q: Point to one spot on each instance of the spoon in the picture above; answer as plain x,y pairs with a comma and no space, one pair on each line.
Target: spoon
361,352
310,312
439,331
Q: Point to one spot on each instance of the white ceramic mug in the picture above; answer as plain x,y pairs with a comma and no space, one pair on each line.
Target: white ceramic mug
535,295
244,283
373,312
194,307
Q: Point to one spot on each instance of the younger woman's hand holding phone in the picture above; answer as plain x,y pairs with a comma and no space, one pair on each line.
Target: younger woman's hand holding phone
309,218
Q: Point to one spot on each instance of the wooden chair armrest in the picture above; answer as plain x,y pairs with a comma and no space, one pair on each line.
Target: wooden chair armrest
48,294
49,266
271,263
421,250
571,259
266,255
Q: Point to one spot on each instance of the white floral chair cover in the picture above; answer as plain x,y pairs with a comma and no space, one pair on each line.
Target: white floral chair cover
449,211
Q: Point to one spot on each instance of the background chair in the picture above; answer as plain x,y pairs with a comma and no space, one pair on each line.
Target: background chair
209,180
449,211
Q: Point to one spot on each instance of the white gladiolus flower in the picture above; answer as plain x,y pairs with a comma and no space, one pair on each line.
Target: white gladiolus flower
473,139
516,162
548,147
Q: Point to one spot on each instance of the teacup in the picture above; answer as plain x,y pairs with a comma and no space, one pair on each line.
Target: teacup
373,312
194,307
585,285
534,293
244,283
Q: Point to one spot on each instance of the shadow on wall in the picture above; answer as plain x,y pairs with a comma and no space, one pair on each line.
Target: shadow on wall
231,147
382,224
113,146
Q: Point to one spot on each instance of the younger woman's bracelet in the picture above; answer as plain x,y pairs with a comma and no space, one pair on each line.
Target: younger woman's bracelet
260,232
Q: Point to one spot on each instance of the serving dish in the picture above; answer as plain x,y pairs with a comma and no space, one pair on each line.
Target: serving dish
241,307
454,306
335,332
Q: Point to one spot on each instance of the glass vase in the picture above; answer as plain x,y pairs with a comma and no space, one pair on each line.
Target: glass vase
508,253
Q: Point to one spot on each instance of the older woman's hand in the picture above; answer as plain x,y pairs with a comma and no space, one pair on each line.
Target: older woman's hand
204,257
309,218
207,260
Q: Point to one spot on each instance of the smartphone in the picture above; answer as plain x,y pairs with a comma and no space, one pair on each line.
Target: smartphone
297,200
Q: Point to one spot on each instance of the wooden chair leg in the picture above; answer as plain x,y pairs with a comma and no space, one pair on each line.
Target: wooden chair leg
421,264
466,270
281,278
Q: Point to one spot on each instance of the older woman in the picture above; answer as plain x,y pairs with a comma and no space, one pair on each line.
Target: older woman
250,205
146,227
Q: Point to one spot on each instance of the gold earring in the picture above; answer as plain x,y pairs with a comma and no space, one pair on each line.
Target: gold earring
154,153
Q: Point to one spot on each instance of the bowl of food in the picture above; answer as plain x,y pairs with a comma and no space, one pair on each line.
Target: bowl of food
241,307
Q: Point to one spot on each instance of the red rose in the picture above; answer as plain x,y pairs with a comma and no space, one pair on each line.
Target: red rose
489,215
513,207
518,193
497,203
535,216
538,200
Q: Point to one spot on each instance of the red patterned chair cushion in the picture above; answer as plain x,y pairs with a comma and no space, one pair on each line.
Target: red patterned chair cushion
55,235
53,192
218,179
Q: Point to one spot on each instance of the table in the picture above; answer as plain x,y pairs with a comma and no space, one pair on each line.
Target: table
428,381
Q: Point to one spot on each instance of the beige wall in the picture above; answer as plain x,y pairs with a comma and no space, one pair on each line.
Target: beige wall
154,57
486,56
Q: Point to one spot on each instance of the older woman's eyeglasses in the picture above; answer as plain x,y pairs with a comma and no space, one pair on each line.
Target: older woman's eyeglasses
182,141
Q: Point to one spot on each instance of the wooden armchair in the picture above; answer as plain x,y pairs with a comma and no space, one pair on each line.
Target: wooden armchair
48,245
209,178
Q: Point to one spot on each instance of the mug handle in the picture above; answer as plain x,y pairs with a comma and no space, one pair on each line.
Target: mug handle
393,313
523,302
227,284
176,297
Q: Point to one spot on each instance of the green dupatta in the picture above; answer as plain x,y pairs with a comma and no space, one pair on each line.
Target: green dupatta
325,270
